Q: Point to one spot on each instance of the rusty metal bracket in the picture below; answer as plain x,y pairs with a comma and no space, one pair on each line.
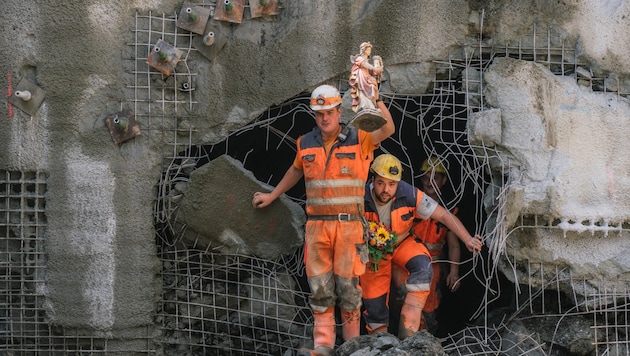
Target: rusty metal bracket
259,8
122,125
193,18
229,10
27,96
211,43
164,57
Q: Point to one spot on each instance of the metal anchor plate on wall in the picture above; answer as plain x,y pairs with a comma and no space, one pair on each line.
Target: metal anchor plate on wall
259,8
164,57
27,96
193,18
229,10
122,126
211,42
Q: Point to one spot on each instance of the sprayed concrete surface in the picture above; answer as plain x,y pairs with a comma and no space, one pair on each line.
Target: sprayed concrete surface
100,235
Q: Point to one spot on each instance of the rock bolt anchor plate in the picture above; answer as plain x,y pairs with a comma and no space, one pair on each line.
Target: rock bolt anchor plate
211,43
122,125
164,57
229,10
193,18
27,96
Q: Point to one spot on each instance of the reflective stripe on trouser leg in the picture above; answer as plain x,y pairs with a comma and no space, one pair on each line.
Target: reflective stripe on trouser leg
376,314
414,258
418,285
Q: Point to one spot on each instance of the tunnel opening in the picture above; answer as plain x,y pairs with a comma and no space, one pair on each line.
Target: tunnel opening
428,124
431,124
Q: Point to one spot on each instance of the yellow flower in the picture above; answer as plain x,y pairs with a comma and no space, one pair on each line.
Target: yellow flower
382,233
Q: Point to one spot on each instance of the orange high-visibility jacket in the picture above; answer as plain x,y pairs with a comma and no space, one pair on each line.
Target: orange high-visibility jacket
403,211
334,183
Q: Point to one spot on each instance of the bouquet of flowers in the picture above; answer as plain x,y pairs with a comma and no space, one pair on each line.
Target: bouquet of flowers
380,242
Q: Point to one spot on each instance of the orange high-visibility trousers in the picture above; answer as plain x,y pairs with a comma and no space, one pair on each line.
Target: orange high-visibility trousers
335,256
413,259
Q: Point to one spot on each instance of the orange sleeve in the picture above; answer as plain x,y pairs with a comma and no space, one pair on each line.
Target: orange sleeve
297,162
367,146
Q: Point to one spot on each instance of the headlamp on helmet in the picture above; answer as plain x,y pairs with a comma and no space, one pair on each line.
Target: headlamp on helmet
387,166
325,97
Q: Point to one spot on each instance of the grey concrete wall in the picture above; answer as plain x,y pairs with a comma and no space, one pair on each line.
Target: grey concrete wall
100,244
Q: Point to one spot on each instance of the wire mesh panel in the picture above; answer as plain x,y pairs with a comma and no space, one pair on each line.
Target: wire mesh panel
230,305
610,324
22,260
158,100
25,329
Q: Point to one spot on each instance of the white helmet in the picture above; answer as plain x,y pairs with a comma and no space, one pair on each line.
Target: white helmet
325,97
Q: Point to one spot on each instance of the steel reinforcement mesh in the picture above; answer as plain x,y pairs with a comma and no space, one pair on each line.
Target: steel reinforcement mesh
22,259
24,326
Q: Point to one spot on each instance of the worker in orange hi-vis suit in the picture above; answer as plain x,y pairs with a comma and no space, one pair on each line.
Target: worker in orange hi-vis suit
334,160
396,204
435,235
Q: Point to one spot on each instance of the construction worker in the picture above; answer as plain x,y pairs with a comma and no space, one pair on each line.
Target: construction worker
396,203
334,160
435,235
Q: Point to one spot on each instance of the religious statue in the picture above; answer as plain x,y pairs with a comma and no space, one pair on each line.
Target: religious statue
365,77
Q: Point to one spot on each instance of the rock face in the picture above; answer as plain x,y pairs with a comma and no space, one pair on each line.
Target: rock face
217,210
561,144
420,343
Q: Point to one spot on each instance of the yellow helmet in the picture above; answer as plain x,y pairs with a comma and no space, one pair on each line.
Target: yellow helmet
387,166
325,97
433,164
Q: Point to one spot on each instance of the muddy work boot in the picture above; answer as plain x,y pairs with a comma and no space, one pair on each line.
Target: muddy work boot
323,334
411,313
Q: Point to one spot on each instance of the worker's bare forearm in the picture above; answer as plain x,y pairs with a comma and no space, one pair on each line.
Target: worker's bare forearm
291,177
